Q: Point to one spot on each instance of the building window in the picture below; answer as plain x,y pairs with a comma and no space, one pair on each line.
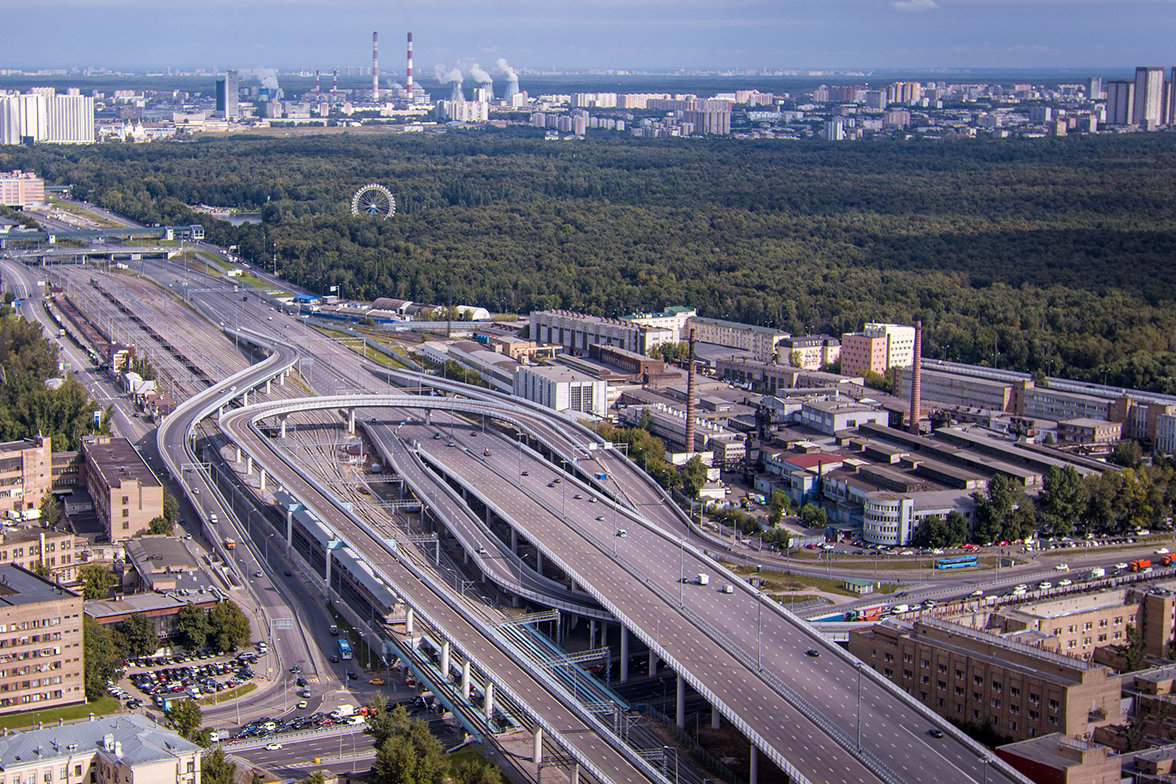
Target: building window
1053,705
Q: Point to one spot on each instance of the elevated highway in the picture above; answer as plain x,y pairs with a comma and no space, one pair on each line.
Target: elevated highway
745,655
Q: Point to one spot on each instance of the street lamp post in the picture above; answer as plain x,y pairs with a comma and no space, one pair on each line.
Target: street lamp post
682,573
859,706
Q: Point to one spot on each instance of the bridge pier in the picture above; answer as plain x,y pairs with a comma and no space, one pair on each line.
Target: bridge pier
261,485
624,654
289,527
465,680
237,452
574,774
351,421
537,746
249,466
591,633
328,560
488,701
220,412
716,718
445,660
753,775
282,378
652,663
267,386
245,398
681,703
539,562
282,434
409,616
514,540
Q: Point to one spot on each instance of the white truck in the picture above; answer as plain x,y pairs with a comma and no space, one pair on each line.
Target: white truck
1097,572
343,711
702,579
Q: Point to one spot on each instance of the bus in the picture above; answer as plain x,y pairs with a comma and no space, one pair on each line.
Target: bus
958,562
344,650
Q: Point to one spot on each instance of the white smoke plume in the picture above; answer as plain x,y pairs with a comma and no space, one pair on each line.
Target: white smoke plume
445,77
504,67
267,76
480,76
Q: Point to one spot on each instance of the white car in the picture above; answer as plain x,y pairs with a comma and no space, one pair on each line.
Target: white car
977,593
1064,583
1121,566
273,746
301,704
1044,585
1062,567
1162,551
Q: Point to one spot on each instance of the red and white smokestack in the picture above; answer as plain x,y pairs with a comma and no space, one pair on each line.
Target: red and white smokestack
409,81
317,85
917,380
375,66
335,84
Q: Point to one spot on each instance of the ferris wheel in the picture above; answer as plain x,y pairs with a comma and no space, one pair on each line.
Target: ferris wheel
374,200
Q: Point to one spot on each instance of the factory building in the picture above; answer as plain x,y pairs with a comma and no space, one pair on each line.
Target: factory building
578,332
562,389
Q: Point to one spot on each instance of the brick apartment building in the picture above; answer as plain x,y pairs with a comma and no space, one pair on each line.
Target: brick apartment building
25,475
126,494
41,662
969,676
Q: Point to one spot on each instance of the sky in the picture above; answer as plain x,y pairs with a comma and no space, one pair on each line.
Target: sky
587,34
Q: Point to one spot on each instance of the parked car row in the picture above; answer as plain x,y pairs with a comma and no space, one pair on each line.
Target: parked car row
194,682
263,727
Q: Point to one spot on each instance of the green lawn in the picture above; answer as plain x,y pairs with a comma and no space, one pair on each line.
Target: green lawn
779,582
67,713
240,691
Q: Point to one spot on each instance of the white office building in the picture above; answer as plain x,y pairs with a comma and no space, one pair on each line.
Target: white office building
71,119
46,117
562,389
900,342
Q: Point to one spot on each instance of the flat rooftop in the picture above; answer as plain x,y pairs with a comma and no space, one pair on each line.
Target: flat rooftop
1055,750
1074,605
143,742
117,461
19,587
160,554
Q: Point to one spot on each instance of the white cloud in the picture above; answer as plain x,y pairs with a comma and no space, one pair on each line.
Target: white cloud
915,5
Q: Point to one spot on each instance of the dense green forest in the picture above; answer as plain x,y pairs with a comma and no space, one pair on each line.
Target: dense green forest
1046,254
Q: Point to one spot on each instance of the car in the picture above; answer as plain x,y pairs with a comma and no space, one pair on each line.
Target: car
622,533
301,704
813,652
287,573
1044,585
258,574
295,670
376,681
1064,583
526,472
577,496
334,658
273,746
600,517
551,484
1062,567
300,682
977,593
591,499
935,732
351,676
1162,551
436,436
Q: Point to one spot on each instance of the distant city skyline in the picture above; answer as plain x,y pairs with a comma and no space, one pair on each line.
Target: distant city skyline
595,34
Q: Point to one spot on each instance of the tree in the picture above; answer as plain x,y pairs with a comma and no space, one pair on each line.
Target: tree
141,636
778,504
813,516
101,657
931,533
1133,649
384,723
414,757
171,508
215,769
1128,454
693,477
474,771
161,526
228,628
185,718
316,777
1062,500
192,628
994,509
97,581
957,529
50,511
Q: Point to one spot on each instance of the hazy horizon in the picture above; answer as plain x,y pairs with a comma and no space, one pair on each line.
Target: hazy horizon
913,35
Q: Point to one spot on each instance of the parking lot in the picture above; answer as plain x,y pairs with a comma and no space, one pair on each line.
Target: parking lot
161,679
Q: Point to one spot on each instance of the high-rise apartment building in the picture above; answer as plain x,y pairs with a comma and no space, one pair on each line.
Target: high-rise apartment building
1094,88
1148,107
226,96
70,120
126,493
1120,102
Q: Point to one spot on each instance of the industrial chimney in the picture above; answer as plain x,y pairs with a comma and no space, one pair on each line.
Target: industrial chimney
335,85
375,66
690,397
409,80
917,379
318,90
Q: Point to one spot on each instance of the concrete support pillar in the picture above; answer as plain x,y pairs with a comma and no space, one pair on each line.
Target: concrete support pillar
261,485
514,540
488,701
249,466
753,776
328,568
237,452
652,663
289,527
592,633
624,654
267,386
574,774
716,718
351,421
428,416
537,747
409,616
539,562
245,398
282,434
465,680
220,412
603,634
681,707
282,378
445,659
